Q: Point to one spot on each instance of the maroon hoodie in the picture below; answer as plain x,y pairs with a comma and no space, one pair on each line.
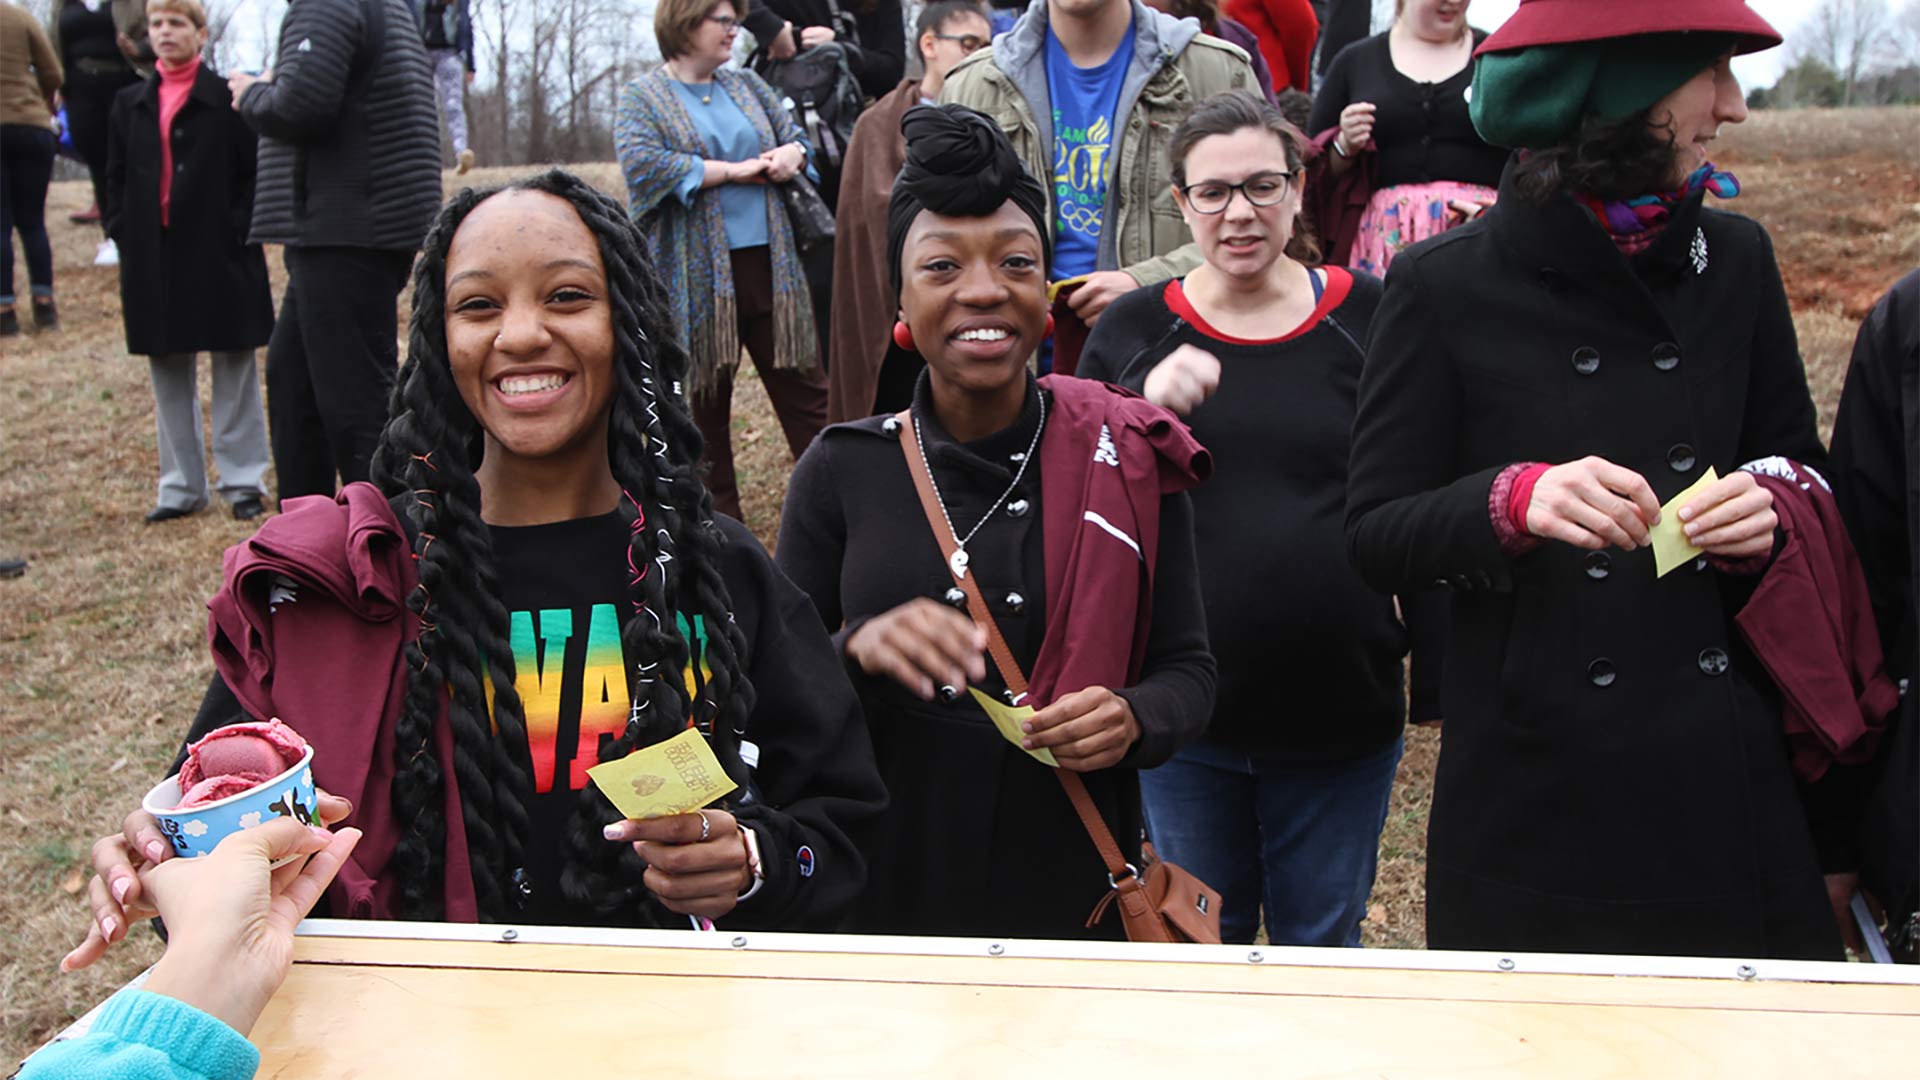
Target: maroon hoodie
1108,457
320,590
1810,621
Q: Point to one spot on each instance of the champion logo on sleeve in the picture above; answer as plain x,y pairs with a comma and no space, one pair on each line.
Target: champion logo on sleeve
805,858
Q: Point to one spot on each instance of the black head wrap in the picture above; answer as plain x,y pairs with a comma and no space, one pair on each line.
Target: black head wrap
959,165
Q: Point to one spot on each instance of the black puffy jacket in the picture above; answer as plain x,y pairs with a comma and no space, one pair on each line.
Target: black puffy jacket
349,133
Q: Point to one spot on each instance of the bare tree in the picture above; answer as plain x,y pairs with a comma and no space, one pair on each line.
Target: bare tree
1846,35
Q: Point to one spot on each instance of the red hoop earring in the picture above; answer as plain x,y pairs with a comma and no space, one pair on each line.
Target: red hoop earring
1049,330
903,336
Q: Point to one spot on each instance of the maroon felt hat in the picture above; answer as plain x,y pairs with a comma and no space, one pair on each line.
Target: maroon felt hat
1558,22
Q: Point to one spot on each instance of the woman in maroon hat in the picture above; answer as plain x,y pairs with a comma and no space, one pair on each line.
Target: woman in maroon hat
1539,383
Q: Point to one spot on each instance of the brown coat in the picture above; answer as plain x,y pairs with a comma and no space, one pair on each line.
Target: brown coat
863,300
29,71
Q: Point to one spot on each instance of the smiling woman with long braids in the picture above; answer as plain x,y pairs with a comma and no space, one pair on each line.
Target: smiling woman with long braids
539,584
1065,500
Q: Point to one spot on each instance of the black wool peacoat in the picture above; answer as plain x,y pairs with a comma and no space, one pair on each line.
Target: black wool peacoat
1614,777
194,284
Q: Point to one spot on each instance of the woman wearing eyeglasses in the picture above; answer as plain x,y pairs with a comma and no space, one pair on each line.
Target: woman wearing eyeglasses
701,146
1280,805
866,372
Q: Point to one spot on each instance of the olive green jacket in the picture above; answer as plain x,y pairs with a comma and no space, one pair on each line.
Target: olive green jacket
129,15
1174,68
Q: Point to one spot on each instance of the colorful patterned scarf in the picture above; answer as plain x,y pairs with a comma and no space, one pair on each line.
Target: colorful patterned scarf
1634,224
657,143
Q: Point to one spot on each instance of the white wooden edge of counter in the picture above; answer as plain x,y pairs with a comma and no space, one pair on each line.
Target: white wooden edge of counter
1671,967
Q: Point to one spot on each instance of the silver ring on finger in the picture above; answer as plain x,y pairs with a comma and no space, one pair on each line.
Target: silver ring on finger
706,826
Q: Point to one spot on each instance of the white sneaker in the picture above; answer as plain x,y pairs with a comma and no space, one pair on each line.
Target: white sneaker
108,254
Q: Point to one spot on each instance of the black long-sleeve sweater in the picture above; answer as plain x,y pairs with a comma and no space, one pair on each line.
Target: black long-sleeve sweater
1421,131
1309,656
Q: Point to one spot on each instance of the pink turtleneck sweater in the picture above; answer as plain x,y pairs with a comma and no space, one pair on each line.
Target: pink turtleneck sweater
175,85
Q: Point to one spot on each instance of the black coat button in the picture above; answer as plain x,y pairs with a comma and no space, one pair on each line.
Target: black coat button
1462,581
1666,356
1586,360
1680,458
1713,661
956,597
1016,603
1700,565
949,694
1601,672
1019,508
890,427
1008,697
1599,565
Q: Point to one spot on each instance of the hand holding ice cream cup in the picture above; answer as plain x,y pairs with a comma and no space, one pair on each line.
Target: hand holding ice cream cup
235,778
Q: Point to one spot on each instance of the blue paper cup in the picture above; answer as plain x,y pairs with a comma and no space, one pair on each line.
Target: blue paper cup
198,831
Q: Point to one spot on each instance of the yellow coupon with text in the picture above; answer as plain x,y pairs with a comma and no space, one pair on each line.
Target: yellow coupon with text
1008,719
676,776
1671,548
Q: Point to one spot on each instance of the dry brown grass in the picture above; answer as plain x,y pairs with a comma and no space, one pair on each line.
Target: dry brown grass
102,644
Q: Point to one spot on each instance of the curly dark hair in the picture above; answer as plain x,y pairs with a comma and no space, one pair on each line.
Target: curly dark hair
425,463
1607,159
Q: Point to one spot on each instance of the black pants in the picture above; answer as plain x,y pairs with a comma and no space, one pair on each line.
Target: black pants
330,364
89,98
26,165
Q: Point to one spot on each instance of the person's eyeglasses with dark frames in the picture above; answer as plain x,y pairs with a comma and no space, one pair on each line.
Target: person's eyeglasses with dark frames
727,22
1260,189
968,43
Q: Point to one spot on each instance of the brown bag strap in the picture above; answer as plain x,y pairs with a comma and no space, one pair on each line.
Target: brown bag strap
1010,673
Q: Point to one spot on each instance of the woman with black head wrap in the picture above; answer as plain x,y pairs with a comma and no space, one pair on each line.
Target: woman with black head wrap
1062,500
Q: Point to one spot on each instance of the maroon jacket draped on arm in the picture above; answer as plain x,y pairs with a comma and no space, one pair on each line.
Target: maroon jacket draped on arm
318,591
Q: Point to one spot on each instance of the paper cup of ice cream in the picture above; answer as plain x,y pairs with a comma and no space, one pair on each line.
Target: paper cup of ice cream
233,779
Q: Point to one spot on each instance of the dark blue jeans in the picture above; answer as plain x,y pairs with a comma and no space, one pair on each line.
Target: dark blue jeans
1299,838
26,167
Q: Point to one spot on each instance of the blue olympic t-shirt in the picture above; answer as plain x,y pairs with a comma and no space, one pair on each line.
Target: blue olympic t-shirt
1084,100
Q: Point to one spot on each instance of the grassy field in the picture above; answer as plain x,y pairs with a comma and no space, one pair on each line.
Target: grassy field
102,644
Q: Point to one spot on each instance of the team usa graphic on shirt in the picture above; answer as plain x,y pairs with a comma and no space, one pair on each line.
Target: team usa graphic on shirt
1079,175
545,677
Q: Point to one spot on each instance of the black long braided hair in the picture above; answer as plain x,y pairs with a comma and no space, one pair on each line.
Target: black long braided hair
425,463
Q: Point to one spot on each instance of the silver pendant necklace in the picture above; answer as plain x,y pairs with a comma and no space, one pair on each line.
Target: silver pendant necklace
957,562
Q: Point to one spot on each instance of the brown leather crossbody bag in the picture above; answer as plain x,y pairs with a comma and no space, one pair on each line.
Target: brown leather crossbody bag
1161,902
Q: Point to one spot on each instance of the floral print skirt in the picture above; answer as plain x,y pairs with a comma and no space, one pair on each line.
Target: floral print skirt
1401,215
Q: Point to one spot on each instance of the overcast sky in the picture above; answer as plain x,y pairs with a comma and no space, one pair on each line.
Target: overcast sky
1760,69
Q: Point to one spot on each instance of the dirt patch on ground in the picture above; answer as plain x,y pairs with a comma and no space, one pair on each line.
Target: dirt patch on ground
103,648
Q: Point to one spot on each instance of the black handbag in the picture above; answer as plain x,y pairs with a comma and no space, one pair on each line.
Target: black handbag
812,220
821,94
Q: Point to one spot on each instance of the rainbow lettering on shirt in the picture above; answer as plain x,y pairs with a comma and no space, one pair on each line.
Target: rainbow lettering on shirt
541,676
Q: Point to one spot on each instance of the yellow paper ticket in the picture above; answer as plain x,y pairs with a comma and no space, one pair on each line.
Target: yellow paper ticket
1671,548
1008,719
1054,289
676,776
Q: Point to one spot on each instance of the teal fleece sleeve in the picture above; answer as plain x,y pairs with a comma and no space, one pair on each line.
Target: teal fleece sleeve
143,1036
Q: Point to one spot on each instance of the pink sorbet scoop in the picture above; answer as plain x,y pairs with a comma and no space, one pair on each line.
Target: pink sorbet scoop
229,760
